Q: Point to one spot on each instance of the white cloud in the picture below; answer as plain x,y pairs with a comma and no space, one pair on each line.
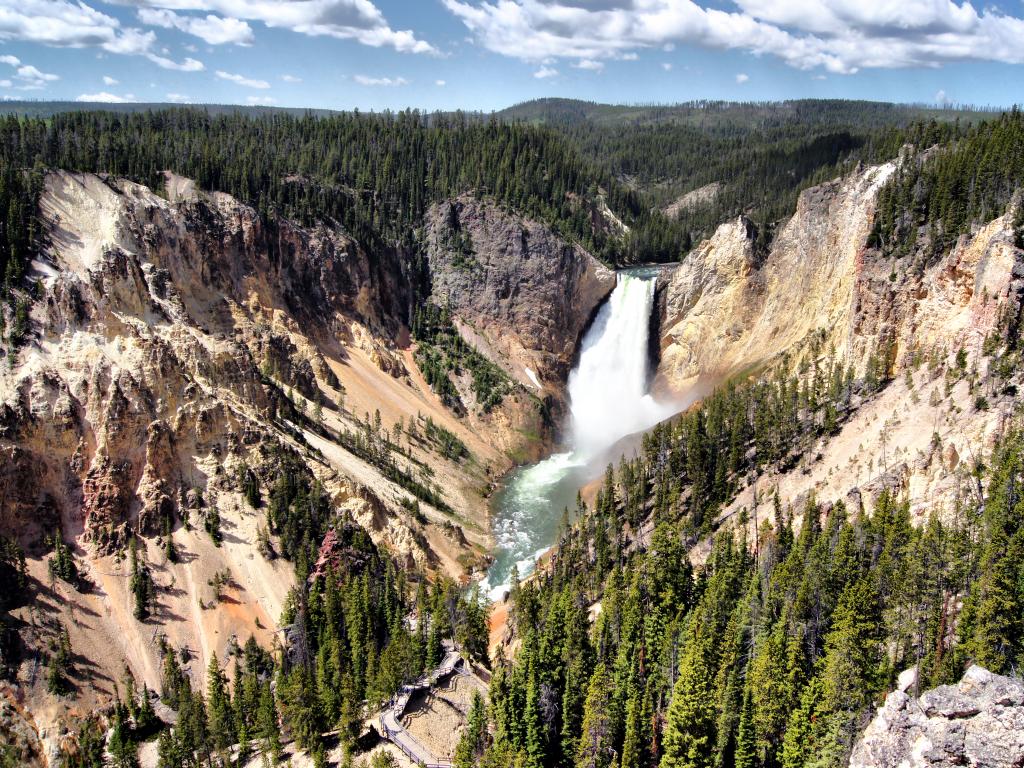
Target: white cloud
840,36
629,56
942,99
291,79
742,77
589,64
211,29
248,82
5,83
11,60
188,65
106,98
264,100
545,72
358,20
177,98
386,82
66,24
31,79
108,80
440,83
667,66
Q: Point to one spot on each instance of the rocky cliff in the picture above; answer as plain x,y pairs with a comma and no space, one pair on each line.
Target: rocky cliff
978,722
819,295
182,346
518,290
728,308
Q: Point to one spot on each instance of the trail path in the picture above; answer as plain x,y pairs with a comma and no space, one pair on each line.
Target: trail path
391,718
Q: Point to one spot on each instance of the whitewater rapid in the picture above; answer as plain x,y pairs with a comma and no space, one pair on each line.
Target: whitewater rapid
609,399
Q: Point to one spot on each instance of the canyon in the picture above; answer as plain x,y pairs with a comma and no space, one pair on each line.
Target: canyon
183,342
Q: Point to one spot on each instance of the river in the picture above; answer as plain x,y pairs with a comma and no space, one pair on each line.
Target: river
609,399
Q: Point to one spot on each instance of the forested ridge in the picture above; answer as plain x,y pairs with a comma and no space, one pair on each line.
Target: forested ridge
761,154
774,650
374,174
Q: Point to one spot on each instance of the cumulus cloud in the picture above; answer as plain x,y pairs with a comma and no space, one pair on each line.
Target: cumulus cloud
32,79
667,66
106,98
188,65
742,77
248,82
358,20
545,72
589,64
291,79
264,100
214,30
26,77
177,98
386,82
108,80
841,36
440,83
65,24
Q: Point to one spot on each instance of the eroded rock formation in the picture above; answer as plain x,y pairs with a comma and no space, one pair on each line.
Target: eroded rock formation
519,290
978,722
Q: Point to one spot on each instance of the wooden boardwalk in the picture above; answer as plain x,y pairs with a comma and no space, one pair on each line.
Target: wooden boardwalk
391,718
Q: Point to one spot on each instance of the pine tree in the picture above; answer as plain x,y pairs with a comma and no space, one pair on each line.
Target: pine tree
473,741
746,736
221,717
596,748
689,729
267,725
140,584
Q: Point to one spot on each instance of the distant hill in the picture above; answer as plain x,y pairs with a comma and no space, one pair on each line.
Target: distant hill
730,114
50,108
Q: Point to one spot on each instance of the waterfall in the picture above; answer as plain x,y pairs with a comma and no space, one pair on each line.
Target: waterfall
608,401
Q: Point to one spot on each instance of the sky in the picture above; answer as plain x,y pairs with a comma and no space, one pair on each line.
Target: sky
489,54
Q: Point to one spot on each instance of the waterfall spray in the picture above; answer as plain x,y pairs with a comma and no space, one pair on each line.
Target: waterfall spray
608,400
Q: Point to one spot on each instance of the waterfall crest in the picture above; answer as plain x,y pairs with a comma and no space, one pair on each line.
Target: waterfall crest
608,401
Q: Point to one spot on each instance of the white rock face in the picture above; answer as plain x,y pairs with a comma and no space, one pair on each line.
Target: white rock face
728,309
978,722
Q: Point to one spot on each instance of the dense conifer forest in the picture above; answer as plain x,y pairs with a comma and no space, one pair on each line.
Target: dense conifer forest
774,650
760,154
769,654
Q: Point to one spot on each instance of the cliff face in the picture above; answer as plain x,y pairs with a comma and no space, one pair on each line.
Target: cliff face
727,309
821,294
157,317
518,291
178,338
978,722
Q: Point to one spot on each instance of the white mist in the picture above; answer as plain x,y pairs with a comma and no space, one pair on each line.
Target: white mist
608,401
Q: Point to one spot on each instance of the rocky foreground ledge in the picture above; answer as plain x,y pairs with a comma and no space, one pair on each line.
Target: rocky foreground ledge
978,722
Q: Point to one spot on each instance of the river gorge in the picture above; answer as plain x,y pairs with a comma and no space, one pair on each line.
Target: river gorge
609,400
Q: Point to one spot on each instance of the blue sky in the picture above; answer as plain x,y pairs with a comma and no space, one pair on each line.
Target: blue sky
488,54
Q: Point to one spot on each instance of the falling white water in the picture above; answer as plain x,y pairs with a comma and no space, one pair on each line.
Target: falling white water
608,400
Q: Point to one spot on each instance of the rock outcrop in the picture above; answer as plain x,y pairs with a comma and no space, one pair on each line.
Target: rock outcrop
819,296
728,308
519,291
979,723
